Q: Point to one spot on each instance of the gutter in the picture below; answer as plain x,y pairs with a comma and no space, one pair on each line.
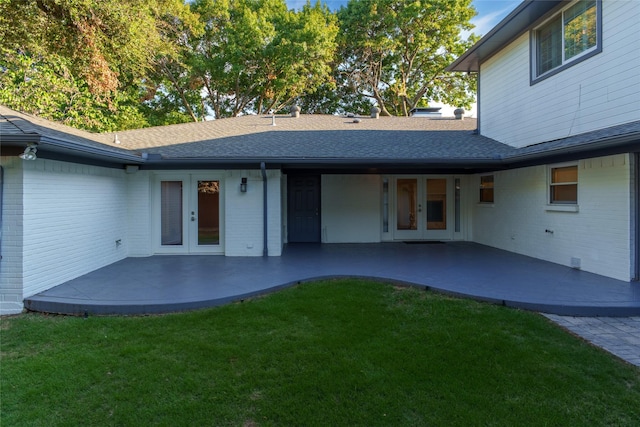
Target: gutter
125,156
56,146
613,144
265,251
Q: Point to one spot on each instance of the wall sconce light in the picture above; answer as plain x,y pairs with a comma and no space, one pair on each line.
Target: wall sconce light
243,185
29,152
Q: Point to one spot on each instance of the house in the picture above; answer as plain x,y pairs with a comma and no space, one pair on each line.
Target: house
549,169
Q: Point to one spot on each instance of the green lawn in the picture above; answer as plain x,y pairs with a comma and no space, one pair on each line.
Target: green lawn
334,353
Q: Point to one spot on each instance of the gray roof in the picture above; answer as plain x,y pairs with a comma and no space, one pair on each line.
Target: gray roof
320,137
313,140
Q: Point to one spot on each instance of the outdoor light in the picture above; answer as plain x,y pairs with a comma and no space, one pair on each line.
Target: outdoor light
243,185
29,152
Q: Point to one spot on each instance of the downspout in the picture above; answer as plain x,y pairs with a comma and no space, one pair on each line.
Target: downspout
265,251
1,205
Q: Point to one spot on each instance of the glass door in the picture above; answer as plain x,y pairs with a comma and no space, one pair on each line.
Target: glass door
436,194
171,213
408,210
205,215
423,208
190,214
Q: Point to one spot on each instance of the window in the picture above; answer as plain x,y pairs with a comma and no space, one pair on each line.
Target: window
486,189
567,38
563,188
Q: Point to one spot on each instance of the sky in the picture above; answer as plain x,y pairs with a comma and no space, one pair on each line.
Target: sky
490,12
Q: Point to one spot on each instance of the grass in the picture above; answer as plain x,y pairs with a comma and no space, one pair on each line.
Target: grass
345,352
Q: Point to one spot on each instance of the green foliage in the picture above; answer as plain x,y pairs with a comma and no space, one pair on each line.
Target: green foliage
258,56
47,87
103,65
395,52
344,352
82,60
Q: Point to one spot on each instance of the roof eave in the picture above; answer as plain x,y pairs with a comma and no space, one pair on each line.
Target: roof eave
507,30
57,148
605,146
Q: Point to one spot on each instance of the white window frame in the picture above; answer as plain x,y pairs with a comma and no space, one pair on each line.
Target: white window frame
566,63
562,206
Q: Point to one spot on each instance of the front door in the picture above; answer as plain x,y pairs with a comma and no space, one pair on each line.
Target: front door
303,210
423,208
189,214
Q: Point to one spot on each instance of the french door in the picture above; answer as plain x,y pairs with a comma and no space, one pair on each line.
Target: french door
423,208
189,214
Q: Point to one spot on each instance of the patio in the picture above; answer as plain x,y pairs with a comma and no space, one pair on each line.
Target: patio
164,283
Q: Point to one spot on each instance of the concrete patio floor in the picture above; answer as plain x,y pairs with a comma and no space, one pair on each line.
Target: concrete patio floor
167,283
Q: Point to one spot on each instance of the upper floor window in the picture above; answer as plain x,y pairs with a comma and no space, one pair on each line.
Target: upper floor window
570,36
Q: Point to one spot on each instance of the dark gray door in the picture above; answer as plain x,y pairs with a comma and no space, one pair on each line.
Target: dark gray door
304,209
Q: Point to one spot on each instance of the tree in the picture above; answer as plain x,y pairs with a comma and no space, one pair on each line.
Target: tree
395,52
258,55
85,57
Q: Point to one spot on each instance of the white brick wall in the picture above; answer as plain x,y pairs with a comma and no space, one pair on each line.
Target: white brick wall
351,208
598,234
244,214
11,262
73,216
599,92
139,224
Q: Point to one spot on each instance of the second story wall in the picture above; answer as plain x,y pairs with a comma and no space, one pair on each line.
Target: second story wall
599,92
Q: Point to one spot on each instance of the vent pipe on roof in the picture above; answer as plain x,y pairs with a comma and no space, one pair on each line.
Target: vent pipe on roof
459,113
295,111
375,112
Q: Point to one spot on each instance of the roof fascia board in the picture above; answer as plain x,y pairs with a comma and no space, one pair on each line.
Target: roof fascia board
57,144
518,22
84,160
91,151
320,161
605,147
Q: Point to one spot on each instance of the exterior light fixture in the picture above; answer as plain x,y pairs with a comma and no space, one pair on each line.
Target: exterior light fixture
29,152
243,185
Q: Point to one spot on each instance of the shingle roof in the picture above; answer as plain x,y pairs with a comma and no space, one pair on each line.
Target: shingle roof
317,137
320,138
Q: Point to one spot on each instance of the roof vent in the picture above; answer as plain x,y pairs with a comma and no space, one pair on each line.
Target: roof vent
459,113
426,112
295,111
375,112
